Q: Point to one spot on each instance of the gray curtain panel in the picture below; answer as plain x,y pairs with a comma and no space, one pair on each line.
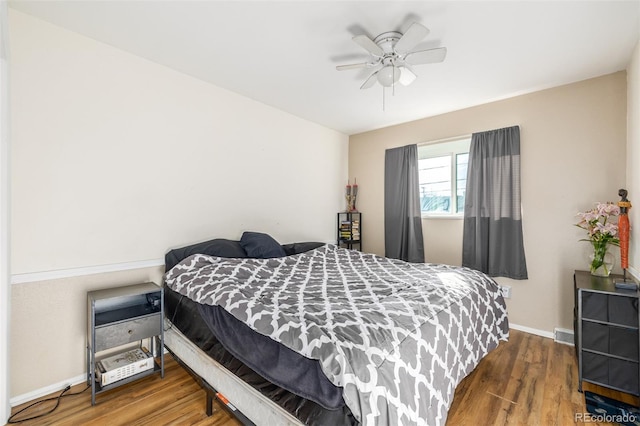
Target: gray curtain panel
402,216
492,235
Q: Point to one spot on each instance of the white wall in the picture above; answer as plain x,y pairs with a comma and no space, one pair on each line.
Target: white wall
117,159
573,146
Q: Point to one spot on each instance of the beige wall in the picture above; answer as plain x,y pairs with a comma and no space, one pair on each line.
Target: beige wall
48,327
573,144
633,157
5,287
117,159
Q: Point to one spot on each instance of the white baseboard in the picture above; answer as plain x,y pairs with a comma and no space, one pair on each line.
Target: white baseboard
559,335
547,334
38,393
59,386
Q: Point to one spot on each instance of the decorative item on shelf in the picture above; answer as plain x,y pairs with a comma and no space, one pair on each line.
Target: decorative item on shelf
623,231
601,232
604,259
352,193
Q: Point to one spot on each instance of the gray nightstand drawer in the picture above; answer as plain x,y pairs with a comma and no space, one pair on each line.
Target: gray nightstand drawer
127,331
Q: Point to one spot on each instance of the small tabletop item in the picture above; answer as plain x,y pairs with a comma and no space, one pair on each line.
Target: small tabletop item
623,232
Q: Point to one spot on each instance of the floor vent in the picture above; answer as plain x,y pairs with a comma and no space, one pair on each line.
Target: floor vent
562,335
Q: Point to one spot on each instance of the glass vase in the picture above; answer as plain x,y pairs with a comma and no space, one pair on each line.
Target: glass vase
601,262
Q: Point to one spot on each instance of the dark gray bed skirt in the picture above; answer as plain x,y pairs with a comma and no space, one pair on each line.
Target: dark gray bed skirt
185,315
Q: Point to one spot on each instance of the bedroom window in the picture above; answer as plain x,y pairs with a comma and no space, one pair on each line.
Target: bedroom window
443,177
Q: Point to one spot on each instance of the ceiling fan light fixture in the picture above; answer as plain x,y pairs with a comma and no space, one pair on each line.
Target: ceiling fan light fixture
388,75
392,55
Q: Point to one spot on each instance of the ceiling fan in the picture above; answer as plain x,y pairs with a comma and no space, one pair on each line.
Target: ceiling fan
392,56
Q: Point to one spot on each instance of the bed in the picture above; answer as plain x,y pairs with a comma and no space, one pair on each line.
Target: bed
311,333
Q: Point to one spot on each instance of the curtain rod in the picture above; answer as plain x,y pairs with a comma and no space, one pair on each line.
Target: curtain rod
452,138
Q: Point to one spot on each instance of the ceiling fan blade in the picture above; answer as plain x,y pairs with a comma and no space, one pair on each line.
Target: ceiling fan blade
368,45
407,76
352,66
413,36
370,81
428,56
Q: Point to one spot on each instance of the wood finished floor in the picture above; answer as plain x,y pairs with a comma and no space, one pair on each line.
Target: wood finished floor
529,380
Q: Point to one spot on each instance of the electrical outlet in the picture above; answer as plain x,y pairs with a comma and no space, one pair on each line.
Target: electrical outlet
506,291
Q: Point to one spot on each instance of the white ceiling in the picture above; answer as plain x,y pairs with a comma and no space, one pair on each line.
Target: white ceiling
284,53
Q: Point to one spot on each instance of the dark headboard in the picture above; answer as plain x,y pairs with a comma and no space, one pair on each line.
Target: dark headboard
226,248
217,247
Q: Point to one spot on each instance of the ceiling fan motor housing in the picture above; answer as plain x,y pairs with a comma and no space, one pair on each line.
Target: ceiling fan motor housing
387,41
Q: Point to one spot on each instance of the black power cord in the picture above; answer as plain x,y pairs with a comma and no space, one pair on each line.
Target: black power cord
57,398
173,317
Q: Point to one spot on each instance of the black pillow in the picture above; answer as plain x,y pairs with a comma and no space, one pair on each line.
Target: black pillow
261,246
297,248
217,247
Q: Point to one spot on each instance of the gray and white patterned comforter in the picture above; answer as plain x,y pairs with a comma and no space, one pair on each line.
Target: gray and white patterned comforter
397,336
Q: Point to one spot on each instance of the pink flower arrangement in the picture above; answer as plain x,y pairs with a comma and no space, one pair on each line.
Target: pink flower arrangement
600,231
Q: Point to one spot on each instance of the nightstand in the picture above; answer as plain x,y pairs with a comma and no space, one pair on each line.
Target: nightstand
607,333
119,316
